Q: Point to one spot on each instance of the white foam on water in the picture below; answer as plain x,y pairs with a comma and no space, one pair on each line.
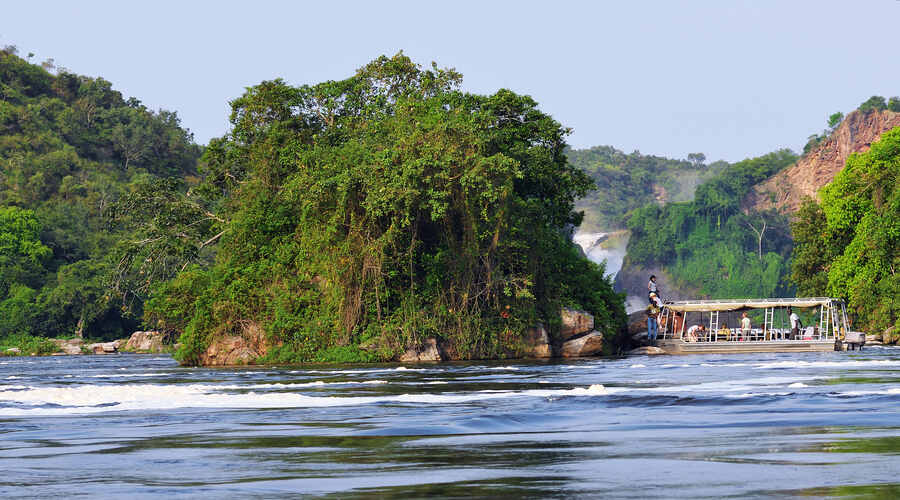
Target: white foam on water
513,368
12,387
13,377
797,385
360,371
849,363
86,399
638,365
298,385
132,375
884,392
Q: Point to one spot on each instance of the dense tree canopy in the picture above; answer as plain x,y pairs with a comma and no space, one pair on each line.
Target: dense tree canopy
365,214
70,148
851,242
711,244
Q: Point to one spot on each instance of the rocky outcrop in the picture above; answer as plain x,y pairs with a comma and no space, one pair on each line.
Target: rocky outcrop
104,347
785,190
575,322
69,346
428,351
889,336
149,341
240,349
537,342
589,344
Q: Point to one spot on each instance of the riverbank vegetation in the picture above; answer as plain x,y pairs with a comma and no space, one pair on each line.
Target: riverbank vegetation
364,215
849,244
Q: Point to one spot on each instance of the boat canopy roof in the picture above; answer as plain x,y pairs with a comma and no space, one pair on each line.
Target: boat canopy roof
737,304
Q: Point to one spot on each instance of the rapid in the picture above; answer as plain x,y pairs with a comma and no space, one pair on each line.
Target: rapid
741,426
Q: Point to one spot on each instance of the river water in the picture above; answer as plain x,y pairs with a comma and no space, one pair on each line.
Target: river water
704,426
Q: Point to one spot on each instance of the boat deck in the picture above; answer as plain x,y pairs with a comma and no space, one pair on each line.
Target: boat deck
676,346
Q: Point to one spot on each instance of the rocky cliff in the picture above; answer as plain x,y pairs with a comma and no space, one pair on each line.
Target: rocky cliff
785,190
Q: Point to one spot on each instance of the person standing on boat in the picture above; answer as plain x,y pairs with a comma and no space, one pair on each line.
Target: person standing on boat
652,289
652,323
745,326
795,324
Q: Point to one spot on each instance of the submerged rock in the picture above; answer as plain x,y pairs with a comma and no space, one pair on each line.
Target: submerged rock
586,345
428,351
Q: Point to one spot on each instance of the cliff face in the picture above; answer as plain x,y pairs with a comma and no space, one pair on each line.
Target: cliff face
785,190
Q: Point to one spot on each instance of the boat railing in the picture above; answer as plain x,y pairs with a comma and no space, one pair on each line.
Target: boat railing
831,314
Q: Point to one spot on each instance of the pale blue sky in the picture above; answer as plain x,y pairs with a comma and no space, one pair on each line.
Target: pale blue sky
730,79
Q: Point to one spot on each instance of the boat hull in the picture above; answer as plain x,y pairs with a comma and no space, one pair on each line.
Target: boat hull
728,347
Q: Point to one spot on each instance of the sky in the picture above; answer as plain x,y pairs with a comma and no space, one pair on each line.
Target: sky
730,79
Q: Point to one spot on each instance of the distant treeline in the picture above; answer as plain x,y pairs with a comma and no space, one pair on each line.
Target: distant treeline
625,182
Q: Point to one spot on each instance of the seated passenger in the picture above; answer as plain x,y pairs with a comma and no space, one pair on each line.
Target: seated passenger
724,332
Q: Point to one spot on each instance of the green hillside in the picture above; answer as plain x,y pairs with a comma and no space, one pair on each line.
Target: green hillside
710,244
625,182
71,148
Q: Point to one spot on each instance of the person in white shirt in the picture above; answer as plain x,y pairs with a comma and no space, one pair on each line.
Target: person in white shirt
795,324
745,326
694,333
652,288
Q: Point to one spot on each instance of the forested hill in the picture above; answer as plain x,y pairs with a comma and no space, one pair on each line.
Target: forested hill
71,149
735,240
629,181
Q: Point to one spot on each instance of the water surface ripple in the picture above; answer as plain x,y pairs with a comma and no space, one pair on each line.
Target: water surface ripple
706,426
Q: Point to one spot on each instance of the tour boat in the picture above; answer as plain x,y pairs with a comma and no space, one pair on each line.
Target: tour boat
830,332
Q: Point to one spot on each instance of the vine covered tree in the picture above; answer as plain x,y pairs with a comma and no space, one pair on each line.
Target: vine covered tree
367,213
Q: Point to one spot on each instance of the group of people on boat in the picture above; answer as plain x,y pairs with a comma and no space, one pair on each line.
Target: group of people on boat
698,333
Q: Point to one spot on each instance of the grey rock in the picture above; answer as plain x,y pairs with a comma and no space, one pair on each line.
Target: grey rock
428,351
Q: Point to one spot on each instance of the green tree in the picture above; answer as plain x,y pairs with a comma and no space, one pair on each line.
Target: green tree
874,103
22,254
384,208
835,119
854,236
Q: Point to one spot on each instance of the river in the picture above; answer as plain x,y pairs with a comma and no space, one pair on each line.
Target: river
714,426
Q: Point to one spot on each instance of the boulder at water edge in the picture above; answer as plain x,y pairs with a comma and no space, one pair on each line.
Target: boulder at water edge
537,342
69,346
150,341
586,345
104,347
575,322
428,351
